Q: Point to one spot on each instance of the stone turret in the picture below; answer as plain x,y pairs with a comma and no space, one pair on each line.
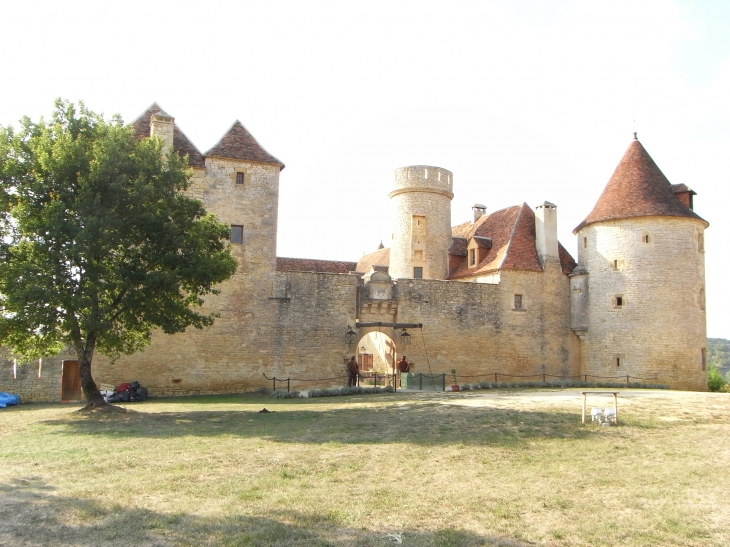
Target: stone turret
421,222
638,290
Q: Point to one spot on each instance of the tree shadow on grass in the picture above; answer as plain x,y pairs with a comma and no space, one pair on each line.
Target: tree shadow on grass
423,423
35,514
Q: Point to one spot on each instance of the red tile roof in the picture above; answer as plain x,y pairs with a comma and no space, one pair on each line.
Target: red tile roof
239,144
637,188
512,231
180,142
311,265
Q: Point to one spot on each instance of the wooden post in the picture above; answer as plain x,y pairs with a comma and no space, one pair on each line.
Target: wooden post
583,419
615,404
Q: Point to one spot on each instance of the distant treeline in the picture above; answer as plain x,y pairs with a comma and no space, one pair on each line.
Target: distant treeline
718,354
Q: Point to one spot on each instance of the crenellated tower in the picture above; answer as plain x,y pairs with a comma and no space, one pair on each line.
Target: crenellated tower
421,222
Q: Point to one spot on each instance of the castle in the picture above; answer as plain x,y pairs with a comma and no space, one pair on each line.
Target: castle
496,294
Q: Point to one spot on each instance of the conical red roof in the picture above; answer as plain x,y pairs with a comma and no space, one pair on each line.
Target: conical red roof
637,188
239,144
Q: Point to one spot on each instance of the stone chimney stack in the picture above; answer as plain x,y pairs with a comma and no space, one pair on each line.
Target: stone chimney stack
163,125
479,211
546,231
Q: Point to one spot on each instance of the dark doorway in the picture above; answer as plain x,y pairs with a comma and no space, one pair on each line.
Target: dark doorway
70,381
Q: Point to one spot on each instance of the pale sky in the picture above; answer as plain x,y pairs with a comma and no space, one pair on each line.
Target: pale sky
524,101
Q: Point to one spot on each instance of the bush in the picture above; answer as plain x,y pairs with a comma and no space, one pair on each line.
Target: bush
354,390
715,381
283,394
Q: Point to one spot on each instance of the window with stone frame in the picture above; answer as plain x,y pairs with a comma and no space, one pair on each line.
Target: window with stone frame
472,257
619,301
236,234
240,178
418,272
518,303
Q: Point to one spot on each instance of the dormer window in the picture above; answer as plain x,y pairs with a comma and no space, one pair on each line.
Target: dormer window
472,257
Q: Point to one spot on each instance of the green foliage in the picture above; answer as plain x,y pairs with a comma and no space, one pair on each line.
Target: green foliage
351,390
283,394
715,380
718,354
98,243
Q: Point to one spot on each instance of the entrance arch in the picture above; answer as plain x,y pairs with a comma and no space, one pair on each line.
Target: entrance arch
376,351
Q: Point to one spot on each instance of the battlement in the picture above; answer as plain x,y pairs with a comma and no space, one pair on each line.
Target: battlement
423,178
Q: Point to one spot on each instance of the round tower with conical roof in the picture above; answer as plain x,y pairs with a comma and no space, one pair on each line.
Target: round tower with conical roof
421,222
638,292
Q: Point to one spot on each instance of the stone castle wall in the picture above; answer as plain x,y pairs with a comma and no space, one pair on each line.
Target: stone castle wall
474,327
659,330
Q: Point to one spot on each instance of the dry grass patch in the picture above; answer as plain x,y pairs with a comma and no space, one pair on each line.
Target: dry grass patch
474,468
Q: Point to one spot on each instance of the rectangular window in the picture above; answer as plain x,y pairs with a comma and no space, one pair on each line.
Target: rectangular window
518,302
702,299
618,361
472,257
617,265
585,242
418,272
646,238
239,178
700,242
619,301
236,234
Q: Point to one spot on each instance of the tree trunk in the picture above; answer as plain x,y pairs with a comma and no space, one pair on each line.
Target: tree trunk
85,354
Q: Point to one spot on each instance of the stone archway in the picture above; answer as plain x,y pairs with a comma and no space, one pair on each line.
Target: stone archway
376,352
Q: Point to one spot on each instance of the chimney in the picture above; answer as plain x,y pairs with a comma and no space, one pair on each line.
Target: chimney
546,231
479,211
163,125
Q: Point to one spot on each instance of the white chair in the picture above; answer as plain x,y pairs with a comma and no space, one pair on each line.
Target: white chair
610,415
596,415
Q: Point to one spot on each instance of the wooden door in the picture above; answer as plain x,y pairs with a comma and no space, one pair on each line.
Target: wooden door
70,381
366,361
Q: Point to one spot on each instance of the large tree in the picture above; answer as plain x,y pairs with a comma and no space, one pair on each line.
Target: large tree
98,243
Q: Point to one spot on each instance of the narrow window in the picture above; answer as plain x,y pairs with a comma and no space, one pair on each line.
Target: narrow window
585,242
646,238
619,301
236,234
618,361
472,257
700,242
418,272
702,299
703,358
239,178
518,302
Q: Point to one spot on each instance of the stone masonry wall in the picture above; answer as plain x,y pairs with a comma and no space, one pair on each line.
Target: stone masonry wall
473,327
659,331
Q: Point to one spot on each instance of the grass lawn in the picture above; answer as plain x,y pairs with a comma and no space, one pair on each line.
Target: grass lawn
507,468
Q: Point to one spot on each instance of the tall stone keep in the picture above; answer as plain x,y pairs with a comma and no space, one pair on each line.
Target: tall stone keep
421,222
641,262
